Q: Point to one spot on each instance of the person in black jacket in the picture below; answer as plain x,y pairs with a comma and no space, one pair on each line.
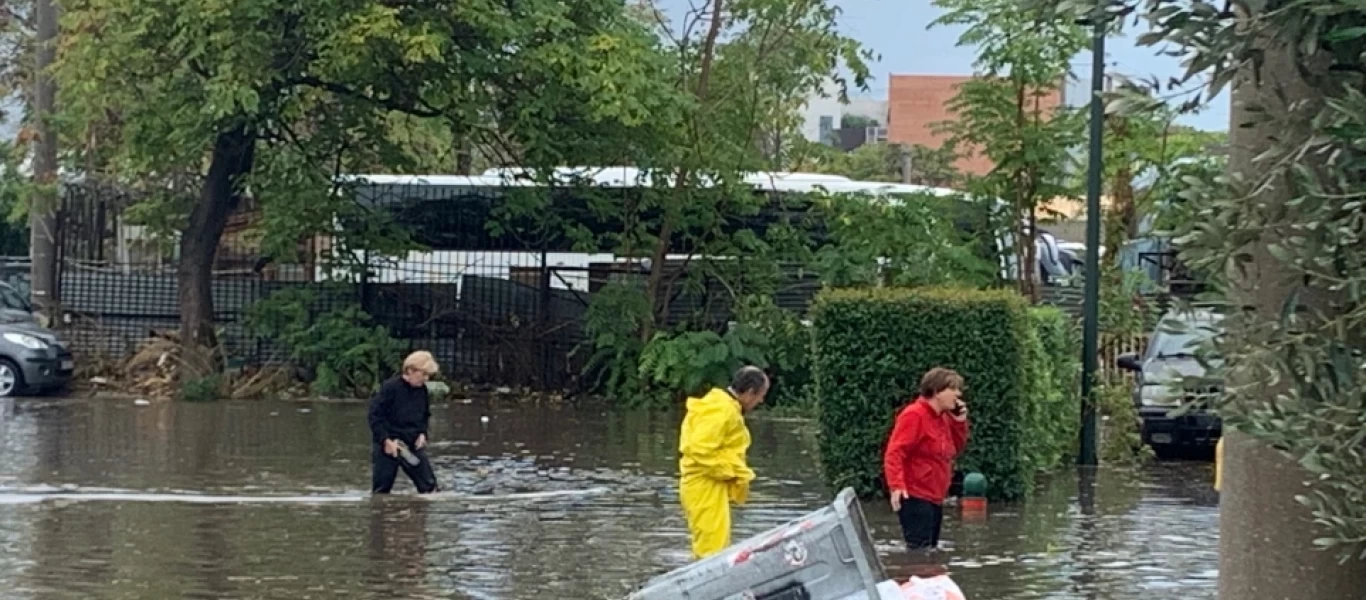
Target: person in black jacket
399,413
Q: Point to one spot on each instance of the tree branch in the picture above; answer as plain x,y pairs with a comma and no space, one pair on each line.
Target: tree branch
344,90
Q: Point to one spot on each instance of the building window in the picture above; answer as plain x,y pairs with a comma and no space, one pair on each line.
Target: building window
827,129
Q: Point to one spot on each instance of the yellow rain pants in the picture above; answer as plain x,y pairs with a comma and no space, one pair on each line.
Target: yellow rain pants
713,442
1219,465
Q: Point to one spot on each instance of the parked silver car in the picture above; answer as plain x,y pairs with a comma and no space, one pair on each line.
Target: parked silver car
32,358
1172,390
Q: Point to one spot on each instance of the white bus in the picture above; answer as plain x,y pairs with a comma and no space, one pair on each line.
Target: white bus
448,237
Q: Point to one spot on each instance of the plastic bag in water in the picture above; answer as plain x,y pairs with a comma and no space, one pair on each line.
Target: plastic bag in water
932,588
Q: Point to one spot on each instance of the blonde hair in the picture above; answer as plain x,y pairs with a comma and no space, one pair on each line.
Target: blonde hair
421,361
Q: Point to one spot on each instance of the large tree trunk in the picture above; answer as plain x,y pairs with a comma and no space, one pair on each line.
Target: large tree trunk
233,153
1266,536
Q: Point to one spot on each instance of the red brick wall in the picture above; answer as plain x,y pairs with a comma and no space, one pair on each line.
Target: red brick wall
915,102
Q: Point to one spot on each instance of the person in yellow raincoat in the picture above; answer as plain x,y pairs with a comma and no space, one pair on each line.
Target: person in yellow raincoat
713,442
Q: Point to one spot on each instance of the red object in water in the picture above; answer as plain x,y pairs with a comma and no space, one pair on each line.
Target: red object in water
974,510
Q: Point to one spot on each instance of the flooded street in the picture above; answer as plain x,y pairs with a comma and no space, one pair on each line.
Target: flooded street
106,500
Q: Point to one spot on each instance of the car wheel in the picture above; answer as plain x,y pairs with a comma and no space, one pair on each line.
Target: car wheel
11,379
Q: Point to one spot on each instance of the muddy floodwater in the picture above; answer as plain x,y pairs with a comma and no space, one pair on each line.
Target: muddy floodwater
108,500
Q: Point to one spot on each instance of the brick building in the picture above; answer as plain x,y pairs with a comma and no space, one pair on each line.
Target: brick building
916,102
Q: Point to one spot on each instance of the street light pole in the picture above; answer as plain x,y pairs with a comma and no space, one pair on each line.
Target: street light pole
1091,314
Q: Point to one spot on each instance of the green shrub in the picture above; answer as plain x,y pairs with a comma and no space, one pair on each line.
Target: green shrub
344,352
691,362
675,363
787,349
1121,432
1055,385
612,330
201,389
873,345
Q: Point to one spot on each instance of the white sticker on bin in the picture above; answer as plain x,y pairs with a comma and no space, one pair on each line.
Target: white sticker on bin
794,552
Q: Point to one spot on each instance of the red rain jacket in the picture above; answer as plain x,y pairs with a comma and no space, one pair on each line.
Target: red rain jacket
920,452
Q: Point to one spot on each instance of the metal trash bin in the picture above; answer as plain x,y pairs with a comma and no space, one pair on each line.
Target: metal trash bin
825,555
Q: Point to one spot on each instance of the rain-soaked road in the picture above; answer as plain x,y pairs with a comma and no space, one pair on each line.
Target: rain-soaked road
105,500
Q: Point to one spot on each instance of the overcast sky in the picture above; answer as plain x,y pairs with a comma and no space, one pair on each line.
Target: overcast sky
9,118
896,30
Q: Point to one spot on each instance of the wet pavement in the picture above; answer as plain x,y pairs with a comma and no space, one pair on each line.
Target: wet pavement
107,500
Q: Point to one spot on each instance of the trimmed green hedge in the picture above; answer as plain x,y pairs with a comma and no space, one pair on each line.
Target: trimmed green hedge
1055,412
872,346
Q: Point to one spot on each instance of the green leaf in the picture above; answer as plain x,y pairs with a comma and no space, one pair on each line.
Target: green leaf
1343,34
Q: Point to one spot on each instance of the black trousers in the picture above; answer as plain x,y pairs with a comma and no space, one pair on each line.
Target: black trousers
384,470
920,523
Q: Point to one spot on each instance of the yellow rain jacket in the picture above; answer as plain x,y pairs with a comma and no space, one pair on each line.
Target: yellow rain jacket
713,442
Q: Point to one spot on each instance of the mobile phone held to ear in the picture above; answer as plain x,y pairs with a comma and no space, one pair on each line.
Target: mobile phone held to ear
958,408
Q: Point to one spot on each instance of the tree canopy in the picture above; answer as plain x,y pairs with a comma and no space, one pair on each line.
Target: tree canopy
208,102
1006,114
881,161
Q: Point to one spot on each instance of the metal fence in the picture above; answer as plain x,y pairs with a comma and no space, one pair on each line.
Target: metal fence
499,308
1111,347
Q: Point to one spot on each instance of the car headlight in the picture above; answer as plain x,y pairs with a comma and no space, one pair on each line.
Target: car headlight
1159,395
25,340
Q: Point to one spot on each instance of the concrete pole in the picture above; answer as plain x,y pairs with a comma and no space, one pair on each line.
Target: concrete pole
43,201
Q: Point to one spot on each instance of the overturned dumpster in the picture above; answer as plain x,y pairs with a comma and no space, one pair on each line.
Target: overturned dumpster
825,555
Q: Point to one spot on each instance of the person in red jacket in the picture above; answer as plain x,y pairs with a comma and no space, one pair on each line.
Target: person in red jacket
929,434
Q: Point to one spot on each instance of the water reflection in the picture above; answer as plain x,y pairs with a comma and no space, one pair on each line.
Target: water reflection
398,545
1091,534
1086,535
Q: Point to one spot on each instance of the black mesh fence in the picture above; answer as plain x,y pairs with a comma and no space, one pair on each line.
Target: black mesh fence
494,305
118,282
